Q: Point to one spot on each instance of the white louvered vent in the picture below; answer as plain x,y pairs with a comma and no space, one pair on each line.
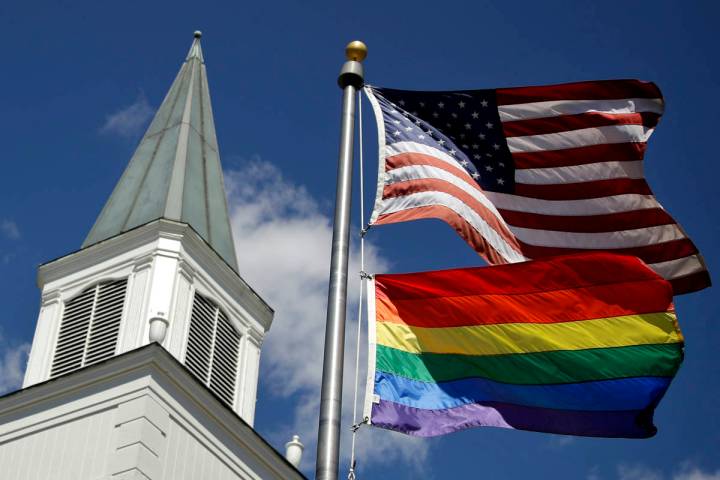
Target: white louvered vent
213,348
89,328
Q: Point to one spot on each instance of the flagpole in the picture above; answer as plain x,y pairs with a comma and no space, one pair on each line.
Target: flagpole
328,449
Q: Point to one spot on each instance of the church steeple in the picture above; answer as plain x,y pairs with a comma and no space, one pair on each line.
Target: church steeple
159,265
175,173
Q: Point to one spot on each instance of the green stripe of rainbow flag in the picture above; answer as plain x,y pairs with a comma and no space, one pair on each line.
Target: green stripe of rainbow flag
535,368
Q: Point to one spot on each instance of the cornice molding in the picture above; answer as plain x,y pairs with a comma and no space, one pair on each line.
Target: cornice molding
154,361
255,336
50,297
143,263
186,271
104,250
190,242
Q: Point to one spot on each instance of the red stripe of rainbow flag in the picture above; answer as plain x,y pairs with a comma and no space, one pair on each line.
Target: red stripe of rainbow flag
580,345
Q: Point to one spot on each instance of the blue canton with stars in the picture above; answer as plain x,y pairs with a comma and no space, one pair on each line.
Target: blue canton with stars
465,124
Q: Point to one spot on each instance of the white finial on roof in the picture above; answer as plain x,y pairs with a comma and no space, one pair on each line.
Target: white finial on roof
294,450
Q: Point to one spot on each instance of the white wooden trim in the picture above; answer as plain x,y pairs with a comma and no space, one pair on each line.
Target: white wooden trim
92,280
160,390
186,325
156,259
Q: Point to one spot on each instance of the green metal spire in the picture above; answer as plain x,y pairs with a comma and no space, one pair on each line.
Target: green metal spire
175,173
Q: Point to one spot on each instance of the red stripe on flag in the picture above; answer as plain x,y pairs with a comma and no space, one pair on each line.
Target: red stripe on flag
655,253
564,123
464,229
597,90
611,222
522,278
691,283
584,190
417,159
492,307
401,189
616,152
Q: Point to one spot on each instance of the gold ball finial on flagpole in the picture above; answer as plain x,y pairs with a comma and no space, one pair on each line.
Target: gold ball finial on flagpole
356,51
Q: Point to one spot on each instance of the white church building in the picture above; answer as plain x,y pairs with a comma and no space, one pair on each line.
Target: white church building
146,353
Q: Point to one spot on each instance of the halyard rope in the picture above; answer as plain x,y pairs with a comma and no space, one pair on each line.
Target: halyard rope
356,425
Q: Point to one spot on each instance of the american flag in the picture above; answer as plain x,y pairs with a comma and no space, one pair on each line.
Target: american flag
532,172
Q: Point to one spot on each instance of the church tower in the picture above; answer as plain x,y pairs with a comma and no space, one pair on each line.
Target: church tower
144,364
159,263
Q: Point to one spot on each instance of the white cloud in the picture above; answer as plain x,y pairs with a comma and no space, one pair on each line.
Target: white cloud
593,473
10,229
637,472
557,442
130,120
283,242
689,472
13,359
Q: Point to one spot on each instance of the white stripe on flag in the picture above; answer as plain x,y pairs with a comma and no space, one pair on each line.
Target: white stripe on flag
678,268
592,206
639,237
580,138
422,172
556,108
412,147
425,199
580,173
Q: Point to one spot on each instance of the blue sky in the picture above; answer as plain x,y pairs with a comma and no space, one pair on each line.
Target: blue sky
81,80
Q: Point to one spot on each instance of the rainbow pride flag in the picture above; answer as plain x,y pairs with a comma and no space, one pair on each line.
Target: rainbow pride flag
578,345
